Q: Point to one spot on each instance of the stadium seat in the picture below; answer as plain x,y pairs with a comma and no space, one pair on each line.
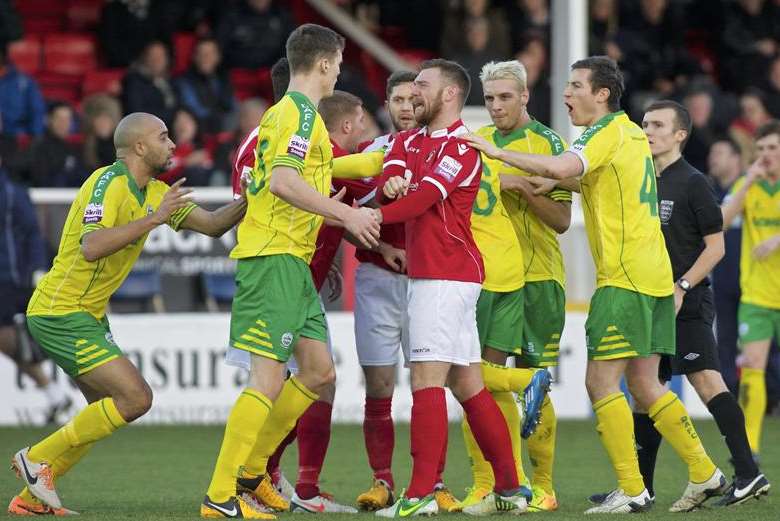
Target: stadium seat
218,288
84,14
103,80
249,83
26,54
42,26
142,287
40,8
183,44
61,87
69,53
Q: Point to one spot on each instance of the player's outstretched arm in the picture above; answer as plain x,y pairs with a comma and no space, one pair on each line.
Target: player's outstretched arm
107,241
561,166
286,184
357,166
215,223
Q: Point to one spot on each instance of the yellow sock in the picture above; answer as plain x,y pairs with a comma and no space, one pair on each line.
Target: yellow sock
671,419
541,448
616,428
292,402
752,399
60,467
481,470
248,415
96,421
499,378
506,402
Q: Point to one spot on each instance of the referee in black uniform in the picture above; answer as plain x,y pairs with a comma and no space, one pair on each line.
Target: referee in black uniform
692,225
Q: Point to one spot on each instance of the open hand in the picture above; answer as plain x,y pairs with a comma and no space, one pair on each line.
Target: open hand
174,199
482,144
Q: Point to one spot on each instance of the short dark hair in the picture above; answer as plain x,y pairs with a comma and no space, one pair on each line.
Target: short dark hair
337,105
767,129
309,43
682,118
55,105
453,72
397,78
730,142
280,78
604,74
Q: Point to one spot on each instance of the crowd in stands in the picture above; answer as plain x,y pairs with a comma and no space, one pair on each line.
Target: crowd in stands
70,68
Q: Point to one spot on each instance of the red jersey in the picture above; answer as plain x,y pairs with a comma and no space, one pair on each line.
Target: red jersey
439,244
392,234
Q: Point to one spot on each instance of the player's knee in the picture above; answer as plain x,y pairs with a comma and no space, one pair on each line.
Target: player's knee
380,387
135,402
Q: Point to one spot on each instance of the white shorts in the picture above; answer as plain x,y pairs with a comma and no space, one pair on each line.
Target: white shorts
443,321
243,359
380,315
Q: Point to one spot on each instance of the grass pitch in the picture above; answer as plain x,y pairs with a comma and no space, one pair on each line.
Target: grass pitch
150,473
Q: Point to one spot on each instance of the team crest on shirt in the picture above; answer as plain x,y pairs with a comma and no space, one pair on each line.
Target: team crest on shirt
666,207
287,339
448,168
93,213
298,146
149,209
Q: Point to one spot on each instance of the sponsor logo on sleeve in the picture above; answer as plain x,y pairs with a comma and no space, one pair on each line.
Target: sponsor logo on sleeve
93,213
448,168
298,146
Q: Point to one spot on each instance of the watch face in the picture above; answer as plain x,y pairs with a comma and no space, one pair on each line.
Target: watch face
684,284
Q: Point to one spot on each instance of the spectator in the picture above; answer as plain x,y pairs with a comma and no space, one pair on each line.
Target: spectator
459,22
529,15
750,39
253,34
21,105
772,88
126,28
249,113
753,114
705,126
533,56
52,160
101,116
603,25
477,53
190,159
205,89
147,87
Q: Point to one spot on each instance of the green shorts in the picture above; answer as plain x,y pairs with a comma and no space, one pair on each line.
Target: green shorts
275,304
500,320
626,324
545,315
77,342
757,323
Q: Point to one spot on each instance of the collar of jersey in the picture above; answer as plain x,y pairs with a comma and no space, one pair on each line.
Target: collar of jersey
769,187
299,97
443,132
121,168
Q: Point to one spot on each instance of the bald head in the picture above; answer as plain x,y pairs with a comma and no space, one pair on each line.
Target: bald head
133,127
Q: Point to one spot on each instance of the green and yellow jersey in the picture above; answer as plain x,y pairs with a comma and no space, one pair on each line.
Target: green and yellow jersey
493,232
541,253
760,279
292,134
109,198
621,207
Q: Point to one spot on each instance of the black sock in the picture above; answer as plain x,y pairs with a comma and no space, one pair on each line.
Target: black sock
731,423
648,439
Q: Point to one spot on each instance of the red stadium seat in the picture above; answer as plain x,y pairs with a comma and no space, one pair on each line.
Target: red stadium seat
84,14
250,83
183,44
69,53
26,54
103,80
60,87
41,8
42,26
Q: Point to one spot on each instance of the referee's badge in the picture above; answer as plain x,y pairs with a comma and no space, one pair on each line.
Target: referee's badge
666,208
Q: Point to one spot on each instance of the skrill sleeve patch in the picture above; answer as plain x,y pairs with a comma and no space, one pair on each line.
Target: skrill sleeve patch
298,146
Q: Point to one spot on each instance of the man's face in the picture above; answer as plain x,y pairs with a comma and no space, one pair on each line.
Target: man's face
358,128
661,131
158,147
505,103
427,95
768,152
332,74
722,160
399,106
207,57
156,60
579,98
60,122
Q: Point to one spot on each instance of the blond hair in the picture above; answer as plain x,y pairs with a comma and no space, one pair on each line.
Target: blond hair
508,70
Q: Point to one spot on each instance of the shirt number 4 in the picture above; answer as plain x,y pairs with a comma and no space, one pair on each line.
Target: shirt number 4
648,194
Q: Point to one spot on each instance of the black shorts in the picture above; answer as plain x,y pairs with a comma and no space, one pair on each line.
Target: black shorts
13,300
697,348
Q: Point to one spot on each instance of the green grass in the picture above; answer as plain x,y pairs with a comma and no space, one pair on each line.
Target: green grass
162,472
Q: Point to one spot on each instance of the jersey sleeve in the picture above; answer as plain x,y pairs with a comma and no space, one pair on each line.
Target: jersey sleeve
293,135
360,191
242,167
103,206
177,218
709,217
596,147
357,166
457,165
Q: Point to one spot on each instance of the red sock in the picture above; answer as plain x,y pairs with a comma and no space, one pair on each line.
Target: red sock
429,434
313,439
379,433
273,462
491,433
443,457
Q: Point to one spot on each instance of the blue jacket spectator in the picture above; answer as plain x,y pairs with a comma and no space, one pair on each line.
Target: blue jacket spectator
205,90
22,249
22,108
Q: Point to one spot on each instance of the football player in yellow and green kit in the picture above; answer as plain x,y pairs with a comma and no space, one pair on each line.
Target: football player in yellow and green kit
276,310
756,197
631,318
537,220
105,231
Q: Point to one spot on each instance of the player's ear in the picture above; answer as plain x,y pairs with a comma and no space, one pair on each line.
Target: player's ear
325,65
524,97
346,126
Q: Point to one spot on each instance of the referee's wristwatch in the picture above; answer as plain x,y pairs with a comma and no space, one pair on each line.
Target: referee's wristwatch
684,285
